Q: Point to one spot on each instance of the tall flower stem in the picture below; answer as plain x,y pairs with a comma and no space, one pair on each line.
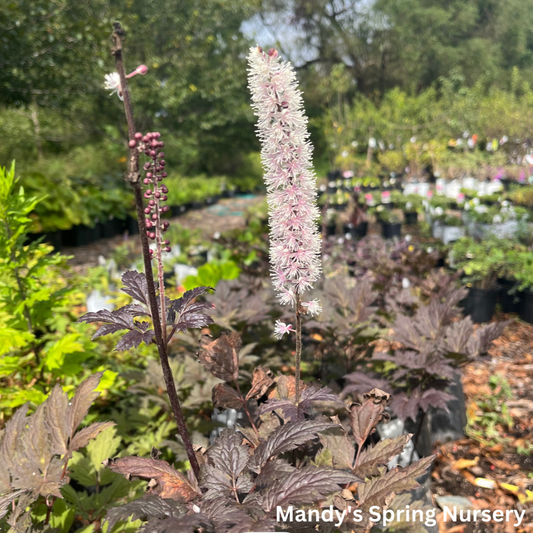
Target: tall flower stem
134,180
298,355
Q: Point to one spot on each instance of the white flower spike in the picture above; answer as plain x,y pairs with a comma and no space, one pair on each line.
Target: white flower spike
291,184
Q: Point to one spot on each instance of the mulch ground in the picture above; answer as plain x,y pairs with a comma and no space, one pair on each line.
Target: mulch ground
494,473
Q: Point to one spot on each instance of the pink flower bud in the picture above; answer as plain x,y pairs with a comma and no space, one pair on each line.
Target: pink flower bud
164,198
141,69
153,153
147,210
132,144
162,163
164,174
166,241
154,216
151,202
157,195
146,181
152,236
138,136
147,166
164,189
148,223
149,175
273,53
162,154
167,248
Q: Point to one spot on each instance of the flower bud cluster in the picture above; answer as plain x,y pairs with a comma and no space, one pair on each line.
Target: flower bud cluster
156,192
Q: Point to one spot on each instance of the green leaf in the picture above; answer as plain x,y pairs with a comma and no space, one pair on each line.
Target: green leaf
57,351
62,516
103,447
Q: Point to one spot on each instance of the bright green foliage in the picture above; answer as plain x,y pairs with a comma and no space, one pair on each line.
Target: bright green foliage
211,273
39,340
484,262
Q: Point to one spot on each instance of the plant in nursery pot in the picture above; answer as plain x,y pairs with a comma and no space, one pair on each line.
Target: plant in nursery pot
522,271
421,368
483,263
391,225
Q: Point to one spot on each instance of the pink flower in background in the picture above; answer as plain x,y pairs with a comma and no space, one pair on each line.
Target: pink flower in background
291,184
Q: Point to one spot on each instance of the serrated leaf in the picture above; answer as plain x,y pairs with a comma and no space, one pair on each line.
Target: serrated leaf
104,445
81,402
364,418
380,454
380,490
136,286
6,501
228,458
286,438
261,381
170,483
84,436
226,397
148,507
221,356
304,485
56,420
341,448
133,338
185,313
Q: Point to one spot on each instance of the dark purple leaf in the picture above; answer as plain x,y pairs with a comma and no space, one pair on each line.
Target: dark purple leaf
286,438
185,313
133,338
226,397
136,286
221,356
146,508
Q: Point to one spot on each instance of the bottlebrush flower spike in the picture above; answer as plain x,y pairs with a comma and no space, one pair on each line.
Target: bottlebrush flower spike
289,177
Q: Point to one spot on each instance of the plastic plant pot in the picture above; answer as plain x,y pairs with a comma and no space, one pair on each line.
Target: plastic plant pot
526,306
389,231
480,304
510,303
411,218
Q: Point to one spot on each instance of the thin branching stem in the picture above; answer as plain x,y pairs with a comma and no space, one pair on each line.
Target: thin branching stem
134,179
298,354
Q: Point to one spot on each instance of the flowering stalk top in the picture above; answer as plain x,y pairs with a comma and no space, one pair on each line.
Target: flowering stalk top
289,177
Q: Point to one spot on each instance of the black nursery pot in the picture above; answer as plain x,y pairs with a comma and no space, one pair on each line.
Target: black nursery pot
526,306
411,218
389,231
131,225
510,303
480,304
331,229
81,235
